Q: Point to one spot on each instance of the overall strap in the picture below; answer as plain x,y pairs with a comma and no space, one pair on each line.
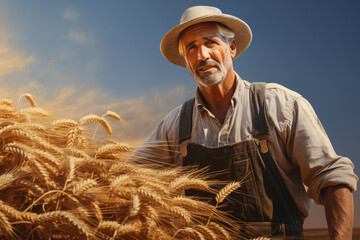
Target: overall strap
257,102
185,124
257,106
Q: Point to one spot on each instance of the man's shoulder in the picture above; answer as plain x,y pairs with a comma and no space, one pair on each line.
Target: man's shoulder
276,90
280,104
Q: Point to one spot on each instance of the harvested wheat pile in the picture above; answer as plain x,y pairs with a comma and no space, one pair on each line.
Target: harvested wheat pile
55,183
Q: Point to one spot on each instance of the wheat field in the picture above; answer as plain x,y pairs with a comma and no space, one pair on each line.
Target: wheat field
56,182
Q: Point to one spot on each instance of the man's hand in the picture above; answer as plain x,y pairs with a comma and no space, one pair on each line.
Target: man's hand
339,210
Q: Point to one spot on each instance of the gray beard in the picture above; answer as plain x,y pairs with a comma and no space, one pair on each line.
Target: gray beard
210,79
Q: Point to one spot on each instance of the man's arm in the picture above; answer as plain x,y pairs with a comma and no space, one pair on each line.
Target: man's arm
339,209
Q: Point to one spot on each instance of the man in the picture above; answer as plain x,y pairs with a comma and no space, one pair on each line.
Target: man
270,139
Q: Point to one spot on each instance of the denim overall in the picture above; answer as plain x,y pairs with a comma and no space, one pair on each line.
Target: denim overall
263,204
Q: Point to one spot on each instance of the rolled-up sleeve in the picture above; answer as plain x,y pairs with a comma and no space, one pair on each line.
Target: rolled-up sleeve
309,146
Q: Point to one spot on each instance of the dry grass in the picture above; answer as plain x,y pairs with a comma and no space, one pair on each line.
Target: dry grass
57,184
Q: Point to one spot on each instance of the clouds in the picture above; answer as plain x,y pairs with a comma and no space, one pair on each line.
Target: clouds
74,34
71,15
140,113
77,36
11,60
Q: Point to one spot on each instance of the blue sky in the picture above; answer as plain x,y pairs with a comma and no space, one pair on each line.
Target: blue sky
80,57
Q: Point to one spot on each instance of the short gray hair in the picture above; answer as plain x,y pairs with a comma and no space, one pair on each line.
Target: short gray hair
226,33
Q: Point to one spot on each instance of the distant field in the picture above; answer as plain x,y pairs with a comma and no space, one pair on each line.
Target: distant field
322,234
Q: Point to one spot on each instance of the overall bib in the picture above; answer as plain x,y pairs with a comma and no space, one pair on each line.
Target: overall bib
263,204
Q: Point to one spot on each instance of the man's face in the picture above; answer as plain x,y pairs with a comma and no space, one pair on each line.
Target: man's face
207,55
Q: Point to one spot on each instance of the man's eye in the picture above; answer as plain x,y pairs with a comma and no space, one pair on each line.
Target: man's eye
190,48
210,42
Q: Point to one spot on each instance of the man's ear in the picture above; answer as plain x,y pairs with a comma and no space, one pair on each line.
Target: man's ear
232,46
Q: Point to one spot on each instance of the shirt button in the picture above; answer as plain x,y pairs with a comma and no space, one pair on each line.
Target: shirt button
217,122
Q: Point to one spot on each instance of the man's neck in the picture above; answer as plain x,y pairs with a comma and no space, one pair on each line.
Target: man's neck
218,97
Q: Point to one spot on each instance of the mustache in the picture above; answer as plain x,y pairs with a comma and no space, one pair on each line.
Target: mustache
207,62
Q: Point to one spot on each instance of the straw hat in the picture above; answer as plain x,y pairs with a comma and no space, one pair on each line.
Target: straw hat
200,14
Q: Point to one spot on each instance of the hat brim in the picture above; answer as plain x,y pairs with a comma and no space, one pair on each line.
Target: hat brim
169,44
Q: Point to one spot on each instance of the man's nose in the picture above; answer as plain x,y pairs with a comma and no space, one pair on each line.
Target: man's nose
203,53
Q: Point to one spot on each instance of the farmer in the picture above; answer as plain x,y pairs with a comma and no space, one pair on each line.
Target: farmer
262,134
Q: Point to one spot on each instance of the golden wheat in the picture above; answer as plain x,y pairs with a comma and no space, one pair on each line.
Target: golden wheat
5,101
135,206
34,111
57,184
225,191
113,115
30,99
184,183
112,148
64,123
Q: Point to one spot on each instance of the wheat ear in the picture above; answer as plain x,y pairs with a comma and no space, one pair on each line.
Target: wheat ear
209,234
83,186
6,180
190,232
112,115
16,214
184,182
5,225
225,191
192,205
127,228
64,218
117,180
5,101
219,230
110,148
35,112
95,118
64,123
105,124
30,99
